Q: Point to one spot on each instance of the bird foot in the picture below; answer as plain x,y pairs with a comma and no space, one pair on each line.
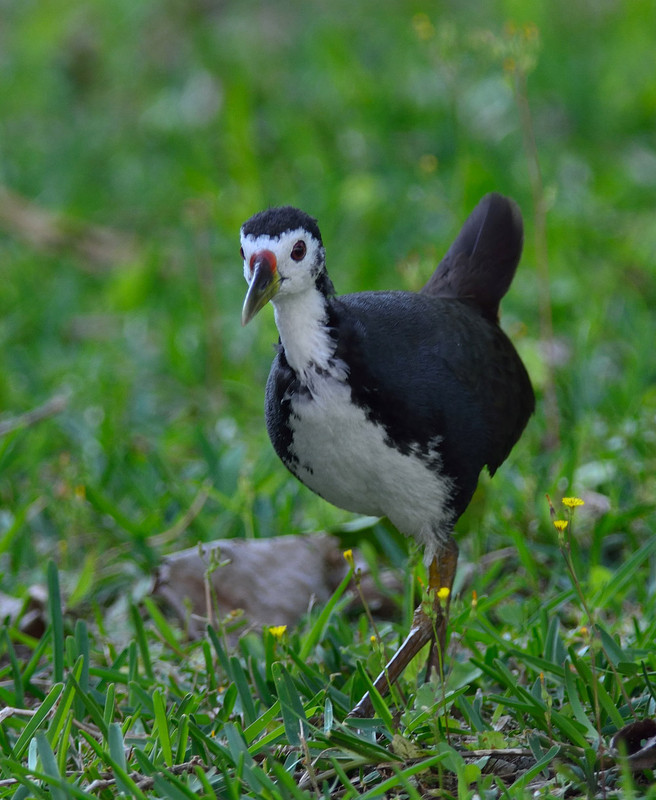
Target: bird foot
422,631
428,625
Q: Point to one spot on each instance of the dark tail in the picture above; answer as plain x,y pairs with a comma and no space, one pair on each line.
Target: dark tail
481,263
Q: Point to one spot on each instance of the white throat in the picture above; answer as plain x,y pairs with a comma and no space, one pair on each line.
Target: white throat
302,324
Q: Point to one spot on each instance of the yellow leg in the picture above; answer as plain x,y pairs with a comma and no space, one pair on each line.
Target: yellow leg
441,573
424,629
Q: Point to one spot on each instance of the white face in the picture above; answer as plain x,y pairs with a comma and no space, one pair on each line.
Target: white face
298,258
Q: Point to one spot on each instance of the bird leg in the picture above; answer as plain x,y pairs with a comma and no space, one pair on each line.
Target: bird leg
440,576
426,627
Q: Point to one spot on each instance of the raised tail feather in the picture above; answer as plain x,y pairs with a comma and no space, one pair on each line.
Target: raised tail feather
480,264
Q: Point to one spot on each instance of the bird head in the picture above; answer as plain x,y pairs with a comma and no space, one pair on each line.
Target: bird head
283,255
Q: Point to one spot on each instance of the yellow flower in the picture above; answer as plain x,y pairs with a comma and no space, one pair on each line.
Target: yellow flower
474,599
348,557
428,163
373,640
277,631
530,31
573,502
560,525
424,28
443,595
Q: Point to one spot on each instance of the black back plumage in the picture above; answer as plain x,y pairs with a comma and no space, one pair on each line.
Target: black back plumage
435,365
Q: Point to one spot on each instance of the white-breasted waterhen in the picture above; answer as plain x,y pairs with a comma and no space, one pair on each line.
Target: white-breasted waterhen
391,403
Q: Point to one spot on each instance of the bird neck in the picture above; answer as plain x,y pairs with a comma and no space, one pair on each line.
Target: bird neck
302,321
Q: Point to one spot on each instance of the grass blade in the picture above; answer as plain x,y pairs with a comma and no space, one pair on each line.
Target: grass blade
57,622
118,761
162,625
316,631
577,706
293,714
161,727
33,725
50,767
142,641
626,573
182,739
169,786
263,721
377,700
59,719
240,678
401,776
528,776
119,767
19,697
220,651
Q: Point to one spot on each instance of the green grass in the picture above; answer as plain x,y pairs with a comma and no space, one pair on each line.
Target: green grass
167,125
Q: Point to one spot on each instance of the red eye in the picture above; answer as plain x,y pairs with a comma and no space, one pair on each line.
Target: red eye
241,252
299,250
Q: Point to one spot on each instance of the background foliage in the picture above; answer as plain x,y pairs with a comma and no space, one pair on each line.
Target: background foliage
135,138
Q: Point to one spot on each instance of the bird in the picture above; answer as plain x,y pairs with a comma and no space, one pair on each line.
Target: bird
391,403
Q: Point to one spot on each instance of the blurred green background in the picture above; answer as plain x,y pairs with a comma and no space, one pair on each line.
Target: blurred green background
136,137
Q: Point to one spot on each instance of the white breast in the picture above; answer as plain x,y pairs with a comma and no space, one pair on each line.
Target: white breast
345,458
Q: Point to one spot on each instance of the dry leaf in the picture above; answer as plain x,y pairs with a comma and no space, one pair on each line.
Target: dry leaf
273,581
